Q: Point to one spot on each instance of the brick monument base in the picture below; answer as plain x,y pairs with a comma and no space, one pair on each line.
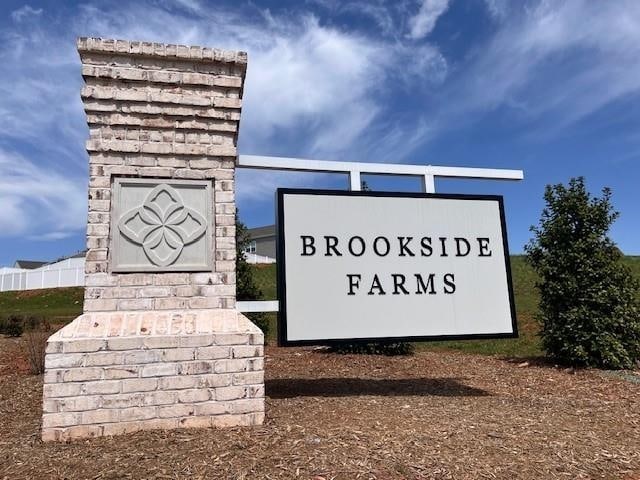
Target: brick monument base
160,344
109,373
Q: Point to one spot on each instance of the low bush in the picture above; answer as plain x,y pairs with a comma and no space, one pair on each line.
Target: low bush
261,320
33,322
375,348
14,326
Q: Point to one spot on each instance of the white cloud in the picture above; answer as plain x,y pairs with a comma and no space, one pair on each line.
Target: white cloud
42,188
323,80
189,5
39,95
424,21
12,218
551,64
380,14
24,12
38,198
498,9
50,236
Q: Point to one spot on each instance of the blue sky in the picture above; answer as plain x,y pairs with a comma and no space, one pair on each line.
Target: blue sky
550,87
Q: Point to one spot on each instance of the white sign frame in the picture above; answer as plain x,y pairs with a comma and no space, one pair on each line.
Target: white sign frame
283,335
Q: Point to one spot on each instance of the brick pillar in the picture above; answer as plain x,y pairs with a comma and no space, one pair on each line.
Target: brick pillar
162,112
159,344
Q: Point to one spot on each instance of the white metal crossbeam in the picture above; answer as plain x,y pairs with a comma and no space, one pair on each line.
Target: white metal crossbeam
257,306
355,169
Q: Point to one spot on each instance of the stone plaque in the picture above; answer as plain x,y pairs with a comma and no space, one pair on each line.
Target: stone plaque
161,225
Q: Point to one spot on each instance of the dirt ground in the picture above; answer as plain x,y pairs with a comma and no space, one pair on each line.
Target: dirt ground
433,415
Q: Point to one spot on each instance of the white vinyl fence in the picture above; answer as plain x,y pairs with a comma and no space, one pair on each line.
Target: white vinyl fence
254,258
33,279
66,273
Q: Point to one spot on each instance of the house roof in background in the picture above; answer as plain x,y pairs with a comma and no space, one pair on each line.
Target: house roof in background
28,264
261,232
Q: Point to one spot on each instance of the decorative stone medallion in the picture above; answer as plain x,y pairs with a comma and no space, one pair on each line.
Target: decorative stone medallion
161,225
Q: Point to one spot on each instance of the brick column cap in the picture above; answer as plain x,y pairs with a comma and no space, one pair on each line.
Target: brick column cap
161,50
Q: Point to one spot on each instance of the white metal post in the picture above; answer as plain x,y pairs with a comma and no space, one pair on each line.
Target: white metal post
429,184
354,179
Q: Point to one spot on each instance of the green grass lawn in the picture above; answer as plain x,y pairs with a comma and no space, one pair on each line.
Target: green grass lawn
66,303
265,277
52,303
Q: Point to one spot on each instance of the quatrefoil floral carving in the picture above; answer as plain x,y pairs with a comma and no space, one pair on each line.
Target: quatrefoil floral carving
163,225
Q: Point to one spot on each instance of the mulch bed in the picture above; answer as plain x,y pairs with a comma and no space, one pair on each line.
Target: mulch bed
433,415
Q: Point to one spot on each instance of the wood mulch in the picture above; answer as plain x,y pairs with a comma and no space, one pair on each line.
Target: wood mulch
441,415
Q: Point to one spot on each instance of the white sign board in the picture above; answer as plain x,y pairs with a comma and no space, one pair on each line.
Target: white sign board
363,266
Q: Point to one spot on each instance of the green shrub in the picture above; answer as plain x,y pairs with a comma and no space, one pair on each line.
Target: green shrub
33,322
246,287
588,312
261,320
375,348
15,326
4,321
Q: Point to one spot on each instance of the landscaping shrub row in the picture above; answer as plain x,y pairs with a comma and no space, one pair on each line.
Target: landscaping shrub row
14,325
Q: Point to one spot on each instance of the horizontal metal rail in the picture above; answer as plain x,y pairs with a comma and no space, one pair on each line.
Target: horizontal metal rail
355,169
257,306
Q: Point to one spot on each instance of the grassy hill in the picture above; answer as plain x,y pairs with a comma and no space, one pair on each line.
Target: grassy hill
65,303
62,303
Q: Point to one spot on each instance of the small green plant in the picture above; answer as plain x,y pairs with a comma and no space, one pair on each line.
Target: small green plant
15,326
589,311
375,348
261,320
33,322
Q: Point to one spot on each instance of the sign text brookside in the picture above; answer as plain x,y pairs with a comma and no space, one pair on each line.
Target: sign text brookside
403,246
